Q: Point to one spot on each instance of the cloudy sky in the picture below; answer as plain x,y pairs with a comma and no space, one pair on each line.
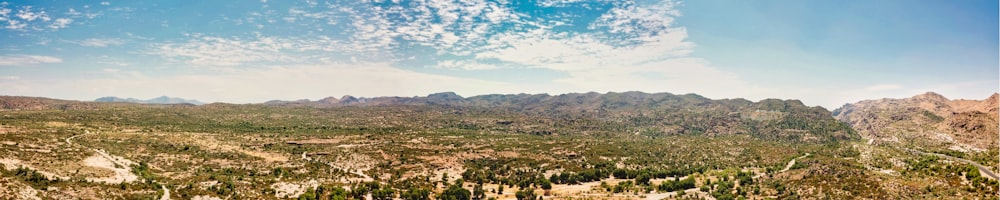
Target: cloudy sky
824,53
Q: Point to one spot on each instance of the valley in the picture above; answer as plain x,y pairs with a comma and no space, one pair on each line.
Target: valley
573,146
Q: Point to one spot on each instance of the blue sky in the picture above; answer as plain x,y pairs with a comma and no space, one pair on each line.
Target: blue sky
822,52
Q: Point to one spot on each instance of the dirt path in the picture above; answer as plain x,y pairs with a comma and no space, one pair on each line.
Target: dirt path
123,174
982,169
68,140
166,193
792,162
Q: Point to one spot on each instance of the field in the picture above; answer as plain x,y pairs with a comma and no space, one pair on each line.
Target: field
224,151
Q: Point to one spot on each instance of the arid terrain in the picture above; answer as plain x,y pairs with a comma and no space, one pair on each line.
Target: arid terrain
443,146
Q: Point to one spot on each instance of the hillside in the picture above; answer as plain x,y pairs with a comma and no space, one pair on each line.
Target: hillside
157,100
629,145
926,120
633,112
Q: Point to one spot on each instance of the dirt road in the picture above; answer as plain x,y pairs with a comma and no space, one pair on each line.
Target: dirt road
982,169
792,162
124,163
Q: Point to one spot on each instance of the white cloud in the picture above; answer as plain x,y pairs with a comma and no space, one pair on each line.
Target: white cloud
452,27
111,62
557,3
105,3
10,78
110,70
463,65
15,25
638,20
22,60
656,59
28,18
219,51
100,42
61,23
27,14
259,85
632,47
73,12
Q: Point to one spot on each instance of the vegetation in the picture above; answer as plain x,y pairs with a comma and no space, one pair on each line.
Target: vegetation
659,143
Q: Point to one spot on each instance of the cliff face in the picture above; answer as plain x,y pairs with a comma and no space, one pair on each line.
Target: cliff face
928,119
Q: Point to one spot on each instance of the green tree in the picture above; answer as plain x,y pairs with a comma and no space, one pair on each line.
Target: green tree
455,192
334,192
478,193
416,194
384,194
526,194
545,184
642,179
620,173
310,194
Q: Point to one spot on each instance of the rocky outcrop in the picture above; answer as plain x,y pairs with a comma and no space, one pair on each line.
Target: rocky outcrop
927,119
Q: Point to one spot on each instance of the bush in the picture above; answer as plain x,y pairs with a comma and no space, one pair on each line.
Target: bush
455,192
478,193
527,194
332,191
384,194
642,179
416,194
669,186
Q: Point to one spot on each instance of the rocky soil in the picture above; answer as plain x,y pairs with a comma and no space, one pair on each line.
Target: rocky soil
963,125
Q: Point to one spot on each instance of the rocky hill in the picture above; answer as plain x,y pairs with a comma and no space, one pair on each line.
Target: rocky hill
927,120
31,103
634,112
157,100
610,114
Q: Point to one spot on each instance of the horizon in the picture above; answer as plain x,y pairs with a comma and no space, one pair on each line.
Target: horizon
547,94
822,53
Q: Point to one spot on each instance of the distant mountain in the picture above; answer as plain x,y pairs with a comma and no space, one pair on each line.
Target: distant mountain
642,113
928,120
33,103
157,100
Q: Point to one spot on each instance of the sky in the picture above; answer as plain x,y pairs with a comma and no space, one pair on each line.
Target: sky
825,53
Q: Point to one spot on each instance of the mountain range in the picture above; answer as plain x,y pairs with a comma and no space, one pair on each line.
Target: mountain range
157,100
927,119
924,120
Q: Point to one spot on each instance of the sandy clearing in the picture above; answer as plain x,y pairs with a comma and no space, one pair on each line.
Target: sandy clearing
695,191
13,164
347,146
210,143
564,189
122,173
8,129
359,172
57,124
205,197
292,190
10,163
28,193
335,140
